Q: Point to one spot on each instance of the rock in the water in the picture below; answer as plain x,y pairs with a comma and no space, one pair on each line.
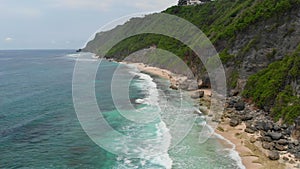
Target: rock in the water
174,87
197,95
274,135
193,85
239,106
273,155
234,122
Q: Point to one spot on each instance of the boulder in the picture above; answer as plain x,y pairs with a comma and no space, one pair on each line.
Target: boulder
276,127
239,106
273,155
197,95
205,82
234,122
291,146
267,139
249,130
280,147
296,143
231,103
193,85
252,140
274,135
297,155
265,126
184,85
174,87
247,117
285,159
283,142
267,146
284,126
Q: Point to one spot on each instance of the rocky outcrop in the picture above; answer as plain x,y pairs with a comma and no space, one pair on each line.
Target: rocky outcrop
296,130
274,137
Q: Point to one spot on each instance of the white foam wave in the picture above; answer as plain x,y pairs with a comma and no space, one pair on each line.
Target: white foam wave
83,56
139,101
73,55
162,141
233,154
87,60
146,83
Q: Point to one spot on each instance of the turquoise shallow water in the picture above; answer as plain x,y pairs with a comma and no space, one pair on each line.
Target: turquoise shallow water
39,127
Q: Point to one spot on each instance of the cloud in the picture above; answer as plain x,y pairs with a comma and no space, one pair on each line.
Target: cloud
8,39
153,4
29,12
15,11
106,5
101,5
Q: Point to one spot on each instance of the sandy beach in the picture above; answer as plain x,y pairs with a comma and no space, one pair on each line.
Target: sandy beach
251,153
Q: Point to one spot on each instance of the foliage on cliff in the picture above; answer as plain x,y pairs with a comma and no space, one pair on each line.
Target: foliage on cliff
246,32
272,88
219,20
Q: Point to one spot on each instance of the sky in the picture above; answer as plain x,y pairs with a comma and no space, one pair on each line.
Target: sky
63,24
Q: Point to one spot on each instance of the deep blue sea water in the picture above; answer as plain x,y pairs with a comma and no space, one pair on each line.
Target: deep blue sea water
39,127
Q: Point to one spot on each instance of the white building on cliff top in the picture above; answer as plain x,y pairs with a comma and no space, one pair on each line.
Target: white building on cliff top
193,2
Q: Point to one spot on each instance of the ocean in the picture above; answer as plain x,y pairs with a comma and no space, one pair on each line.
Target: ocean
39,127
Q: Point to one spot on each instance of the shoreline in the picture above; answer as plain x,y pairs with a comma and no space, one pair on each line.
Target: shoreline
175,79
252,155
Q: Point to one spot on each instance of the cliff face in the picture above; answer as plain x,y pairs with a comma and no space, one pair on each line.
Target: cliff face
265,42
258,43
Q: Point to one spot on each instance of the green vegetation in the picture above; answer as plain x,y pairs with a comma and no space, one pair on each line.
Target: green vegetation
225,56
222,21
135,43
219,20
233,79
271,54
269,88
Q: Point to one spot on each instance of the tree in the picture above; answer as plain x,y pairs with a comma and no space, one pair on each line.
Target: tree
182,2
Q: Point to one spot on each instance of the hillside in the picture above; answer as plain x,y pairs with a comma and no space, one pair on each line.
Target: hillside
258,43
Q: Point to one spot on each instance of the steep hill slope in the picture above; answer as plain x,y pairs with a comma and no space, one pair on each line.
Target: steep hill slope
256,40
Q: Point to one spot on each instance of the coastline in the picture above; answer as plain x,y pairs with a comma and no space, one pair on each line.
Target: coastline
252,155
250,147
176,79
